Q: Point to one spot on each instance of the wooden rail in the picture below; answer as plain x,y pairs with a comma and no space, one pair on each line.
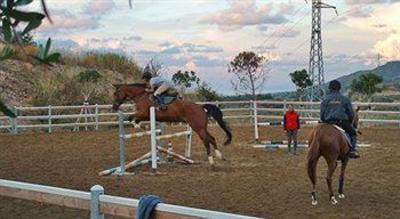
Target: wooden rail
47,117
109,205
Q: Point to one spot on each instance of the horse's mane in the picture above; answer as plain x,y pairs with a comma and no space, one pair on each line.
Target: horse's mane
137,85
142,85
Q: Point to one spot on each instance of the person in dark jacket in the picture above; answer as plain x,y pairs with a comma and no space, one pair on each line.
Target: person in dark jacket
337,109
291,124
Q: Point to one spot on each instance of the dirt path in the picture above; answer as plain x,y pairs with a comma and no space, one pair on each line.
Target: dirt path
259,182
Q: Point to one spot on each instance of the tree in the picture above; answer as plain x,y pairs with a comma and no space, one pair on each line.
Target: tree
366,85
13,19
89,80
206,93
185,80
302,80
250,73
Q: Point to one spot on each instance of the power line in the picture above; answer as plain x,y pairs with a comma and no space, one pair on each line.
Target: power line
284,26
290,29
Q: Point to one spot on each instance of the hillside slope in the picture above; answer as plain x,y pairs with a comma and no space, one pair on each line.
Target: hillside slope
19,80
390,72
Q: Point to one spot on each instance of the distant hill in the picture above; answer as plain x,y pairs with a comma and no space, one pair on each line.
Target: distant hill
390,72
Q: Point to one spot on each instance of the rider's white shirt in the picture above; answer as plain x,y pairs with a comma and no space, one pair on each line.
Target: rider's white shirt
157,81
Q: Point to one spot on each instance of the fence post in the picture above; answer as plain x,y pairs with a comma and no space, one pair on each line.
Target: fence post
284,106
188,150
153,139
86,114
95,193
121,142
14,122
255,121
96,111
50,113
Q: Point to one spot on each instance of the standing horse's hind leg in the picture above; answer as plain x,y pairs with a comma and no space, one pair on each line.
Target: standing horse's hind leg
341,178
312,172
331,169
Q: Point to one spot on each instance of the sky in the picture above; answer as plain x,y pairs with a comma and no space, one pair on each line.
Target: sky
205,35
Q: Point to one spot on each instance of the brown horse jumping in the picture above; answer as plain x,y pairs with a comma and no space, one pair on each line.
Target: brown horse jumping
179,111
327,141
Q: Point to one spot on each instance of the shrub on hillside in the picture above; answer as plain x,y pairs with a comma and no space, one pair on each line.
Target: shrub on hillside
111,61
64,89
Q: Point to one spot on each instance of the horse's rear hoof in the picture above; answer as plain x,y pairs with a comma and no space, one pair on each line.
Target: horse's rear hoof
211,160
219,155
341,196
314,202
334,201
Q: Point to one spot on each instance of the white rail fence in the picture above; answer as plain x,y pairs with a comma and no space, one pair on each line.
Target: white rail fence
93,116
100,204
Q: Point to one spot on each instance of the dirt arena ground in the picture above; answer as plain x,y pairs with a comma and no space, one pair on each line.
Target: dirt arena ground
258,182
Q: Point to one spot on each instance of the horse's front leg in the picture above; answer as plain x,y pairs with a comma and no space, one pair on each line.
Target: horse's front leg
136,118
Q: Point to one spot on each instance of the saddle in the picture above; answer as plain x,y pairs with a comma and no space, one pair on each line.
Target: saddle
343,132
167,97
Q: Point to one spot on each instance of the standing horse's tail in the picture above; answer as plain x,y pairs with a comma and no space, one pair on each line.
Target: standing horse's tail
313,155
216,113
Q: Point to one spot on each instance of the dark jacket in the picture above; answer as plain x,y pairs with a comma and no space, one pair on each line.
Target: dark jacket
336,107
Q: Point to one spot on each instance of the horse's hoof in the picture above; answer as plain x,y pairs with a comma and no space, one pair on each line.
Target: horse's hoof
314,202
334,201
211,161
218,154
341,196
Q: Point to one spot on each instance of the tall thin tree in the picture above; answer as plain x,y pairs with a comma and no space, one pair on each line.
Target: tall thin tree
250,73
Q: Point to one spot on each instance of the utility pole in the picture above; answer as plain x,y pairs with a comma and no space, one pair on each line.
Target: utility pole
316,63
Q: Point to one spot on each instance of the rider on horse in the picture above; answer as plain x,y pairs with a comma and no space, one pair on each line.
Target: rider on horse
337,109
156,85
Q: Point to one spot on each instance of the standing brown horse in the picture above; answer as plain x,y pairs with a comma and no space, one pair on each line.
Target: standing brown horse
327,141
178,111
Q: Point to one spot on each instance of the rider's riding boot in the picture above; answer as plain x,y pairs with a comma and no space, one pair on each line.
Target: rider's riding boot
159,102
353,151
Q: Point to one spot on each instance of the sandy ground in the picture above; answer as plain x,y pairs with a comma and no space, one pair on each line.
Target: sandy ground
258,182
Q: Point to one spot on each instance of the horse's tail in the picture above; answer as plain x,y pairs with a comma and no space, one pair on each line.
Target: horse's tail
313,155
216,113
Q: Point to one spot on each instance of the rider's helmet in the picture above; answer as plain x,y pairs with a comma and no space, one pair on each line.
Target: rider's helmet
335,85
147,73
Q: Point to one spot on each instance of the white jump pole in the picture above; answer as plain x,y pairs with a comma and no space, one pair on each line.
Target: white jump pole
121,142
188,151
256,134
153,138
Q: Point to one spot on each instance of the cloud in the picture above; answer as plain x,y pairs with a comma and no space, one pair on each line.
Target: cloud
99,7
245,13
390,47
169,48
263,49
262,28
64,44
204,61
65,21
363,2
369,2
286,8
166,44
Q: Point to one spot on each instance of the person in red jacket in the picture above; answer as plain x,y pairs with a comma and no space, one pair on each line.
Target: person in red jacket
291,124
